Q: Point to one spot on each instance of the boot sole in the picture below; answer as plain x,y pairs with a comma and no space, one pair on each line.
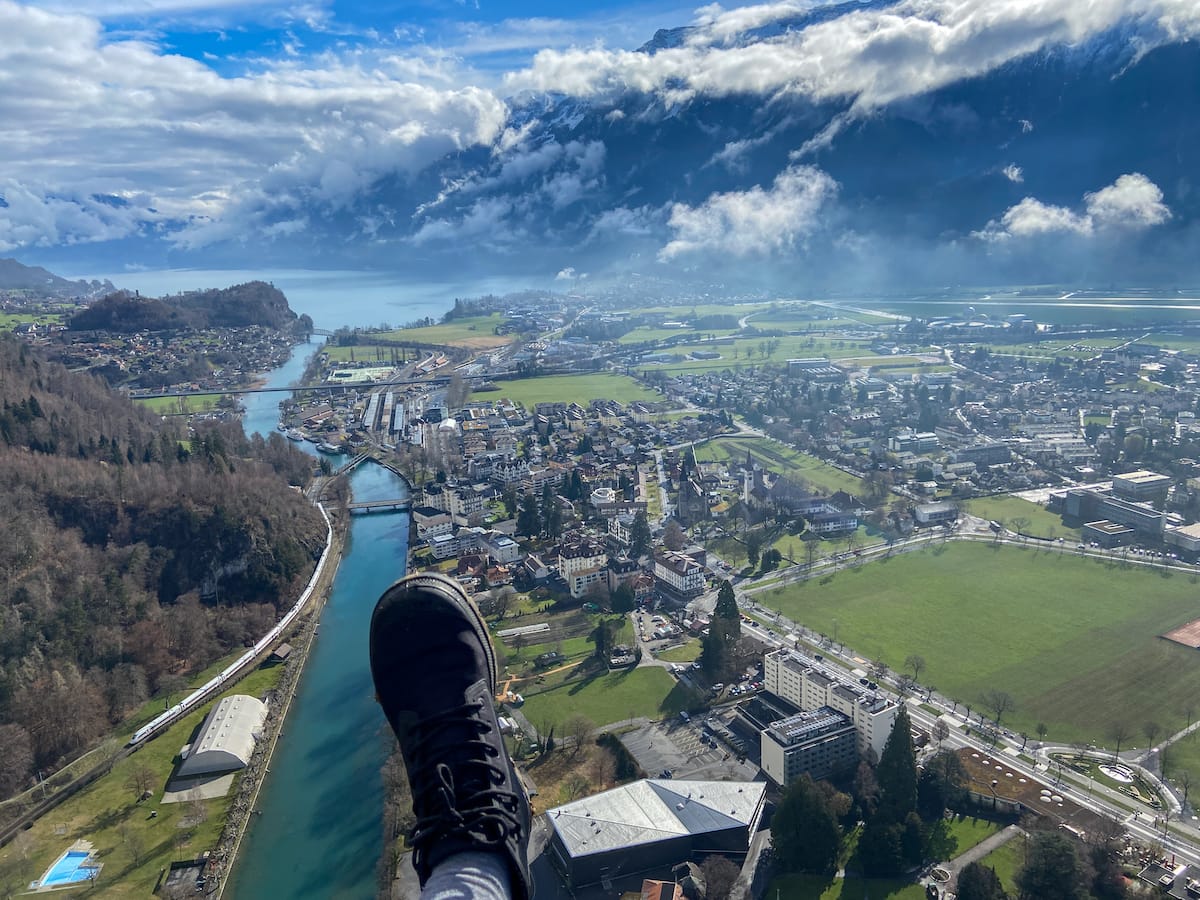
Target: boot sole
448,589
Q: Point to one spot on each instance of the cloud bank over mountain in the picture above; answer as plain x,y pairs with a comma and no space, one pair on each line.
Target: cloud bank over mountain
875,143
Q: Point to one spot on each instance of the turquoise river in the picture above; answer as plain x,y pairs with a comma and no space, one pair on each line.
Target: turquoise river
318,835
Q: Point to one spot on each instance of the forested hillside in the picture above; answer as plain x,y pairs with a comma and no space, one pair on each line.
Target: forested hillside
252,303
133,553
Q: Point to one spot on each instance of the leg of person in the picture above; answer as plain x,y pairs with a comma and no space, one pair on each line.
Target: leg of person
469,876
435,677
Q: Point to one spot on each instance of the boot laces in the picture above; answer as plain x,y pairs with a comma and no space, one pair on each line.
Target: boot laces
464,800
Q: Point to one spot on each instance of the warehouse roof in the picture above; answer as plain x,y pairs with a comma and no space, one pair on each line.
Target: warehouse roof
654,810
227,738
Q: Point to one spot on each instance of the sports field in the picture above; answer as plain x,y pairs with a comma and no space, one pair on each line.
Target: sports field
1073,640
782,460
581,389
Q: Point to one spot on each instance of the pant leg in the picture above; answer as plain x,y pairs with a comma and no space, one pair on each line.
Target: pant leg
473,875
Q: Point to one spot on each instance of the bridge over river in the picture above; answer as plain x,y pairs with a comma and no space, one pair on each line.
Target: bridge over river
400,504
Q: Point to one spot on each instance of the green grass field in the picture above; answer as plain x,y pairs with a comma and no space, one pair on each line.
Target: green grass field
478,332
1007,860
11,320
748,351
121,830
1073,640
609,698
684,654
822,887
1006,509
170,405
372,353
581,389
782,460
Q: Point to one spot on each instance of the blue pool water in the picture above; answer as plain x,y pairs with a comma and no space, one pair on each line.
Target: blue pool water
69,869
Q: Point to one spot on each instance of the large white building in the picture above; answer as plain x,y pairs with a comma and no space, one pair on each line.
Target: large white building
809,684
820,742
679,574
581,565
226,740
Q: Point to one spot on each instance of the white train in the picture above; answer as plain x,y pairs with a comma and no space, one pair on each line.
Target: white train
211,687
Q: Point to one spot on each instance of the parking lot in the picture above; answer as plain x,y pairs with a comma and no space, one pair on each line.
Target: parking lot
682,748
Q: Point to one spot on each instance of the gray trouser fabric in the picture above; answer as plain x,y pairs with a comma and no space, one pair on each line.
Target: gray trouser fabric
469,876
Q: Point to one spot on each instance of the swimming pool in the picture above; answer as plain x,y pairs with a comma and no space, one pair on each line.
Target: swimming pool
69,869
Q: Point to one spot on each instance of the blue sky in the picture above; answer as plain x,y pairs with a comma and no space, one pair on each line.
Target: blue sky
484,37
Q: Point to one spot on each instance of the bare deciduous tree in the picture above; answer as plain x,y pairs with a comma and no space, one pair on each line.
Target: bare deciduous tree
916,663
998,703
140,779
578,729
1120,732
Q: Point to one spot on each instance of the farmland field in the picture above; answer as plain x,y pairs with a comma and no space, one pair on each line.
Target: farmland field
1073,640
581,389
478,332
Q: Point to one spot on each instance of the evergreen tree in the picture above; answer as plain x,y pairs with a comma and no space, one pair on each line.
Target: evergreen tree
551,512
726,607
602,637
897,772
529,519
623,599
714,658
639,535
979,882
805,834
1052,870
879,848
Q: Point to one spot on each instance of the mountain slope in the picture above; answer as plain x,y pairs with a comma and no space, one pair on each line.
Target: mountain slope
131,555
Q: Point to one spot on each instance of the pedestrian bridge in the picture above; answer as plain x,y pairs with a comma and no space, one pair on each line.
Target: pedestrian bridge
400,504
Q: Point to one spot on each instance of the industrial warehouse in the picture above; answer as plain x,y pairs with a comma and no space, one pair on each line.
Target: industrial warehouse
652,824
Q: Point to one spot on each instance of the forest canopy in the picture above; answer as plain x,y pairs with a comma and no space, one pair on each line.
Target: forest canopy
135,552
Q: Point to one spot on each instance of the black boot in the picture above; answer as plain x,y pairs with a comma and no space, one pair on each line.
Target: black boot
435,677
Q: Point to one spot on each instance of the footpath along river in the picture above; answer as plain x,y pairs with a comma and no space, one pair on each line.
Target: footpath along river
319,834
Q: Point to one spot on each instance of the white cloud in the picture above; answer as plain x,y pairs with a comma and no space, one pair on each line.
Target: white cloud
1013,173
486,220
38,216
101,116
622,221
1031,217
566,274
756,222
873,56
1132,201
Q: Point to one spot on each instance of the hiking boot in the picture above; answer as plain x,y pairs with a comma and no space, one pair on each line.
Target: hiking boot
435,677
